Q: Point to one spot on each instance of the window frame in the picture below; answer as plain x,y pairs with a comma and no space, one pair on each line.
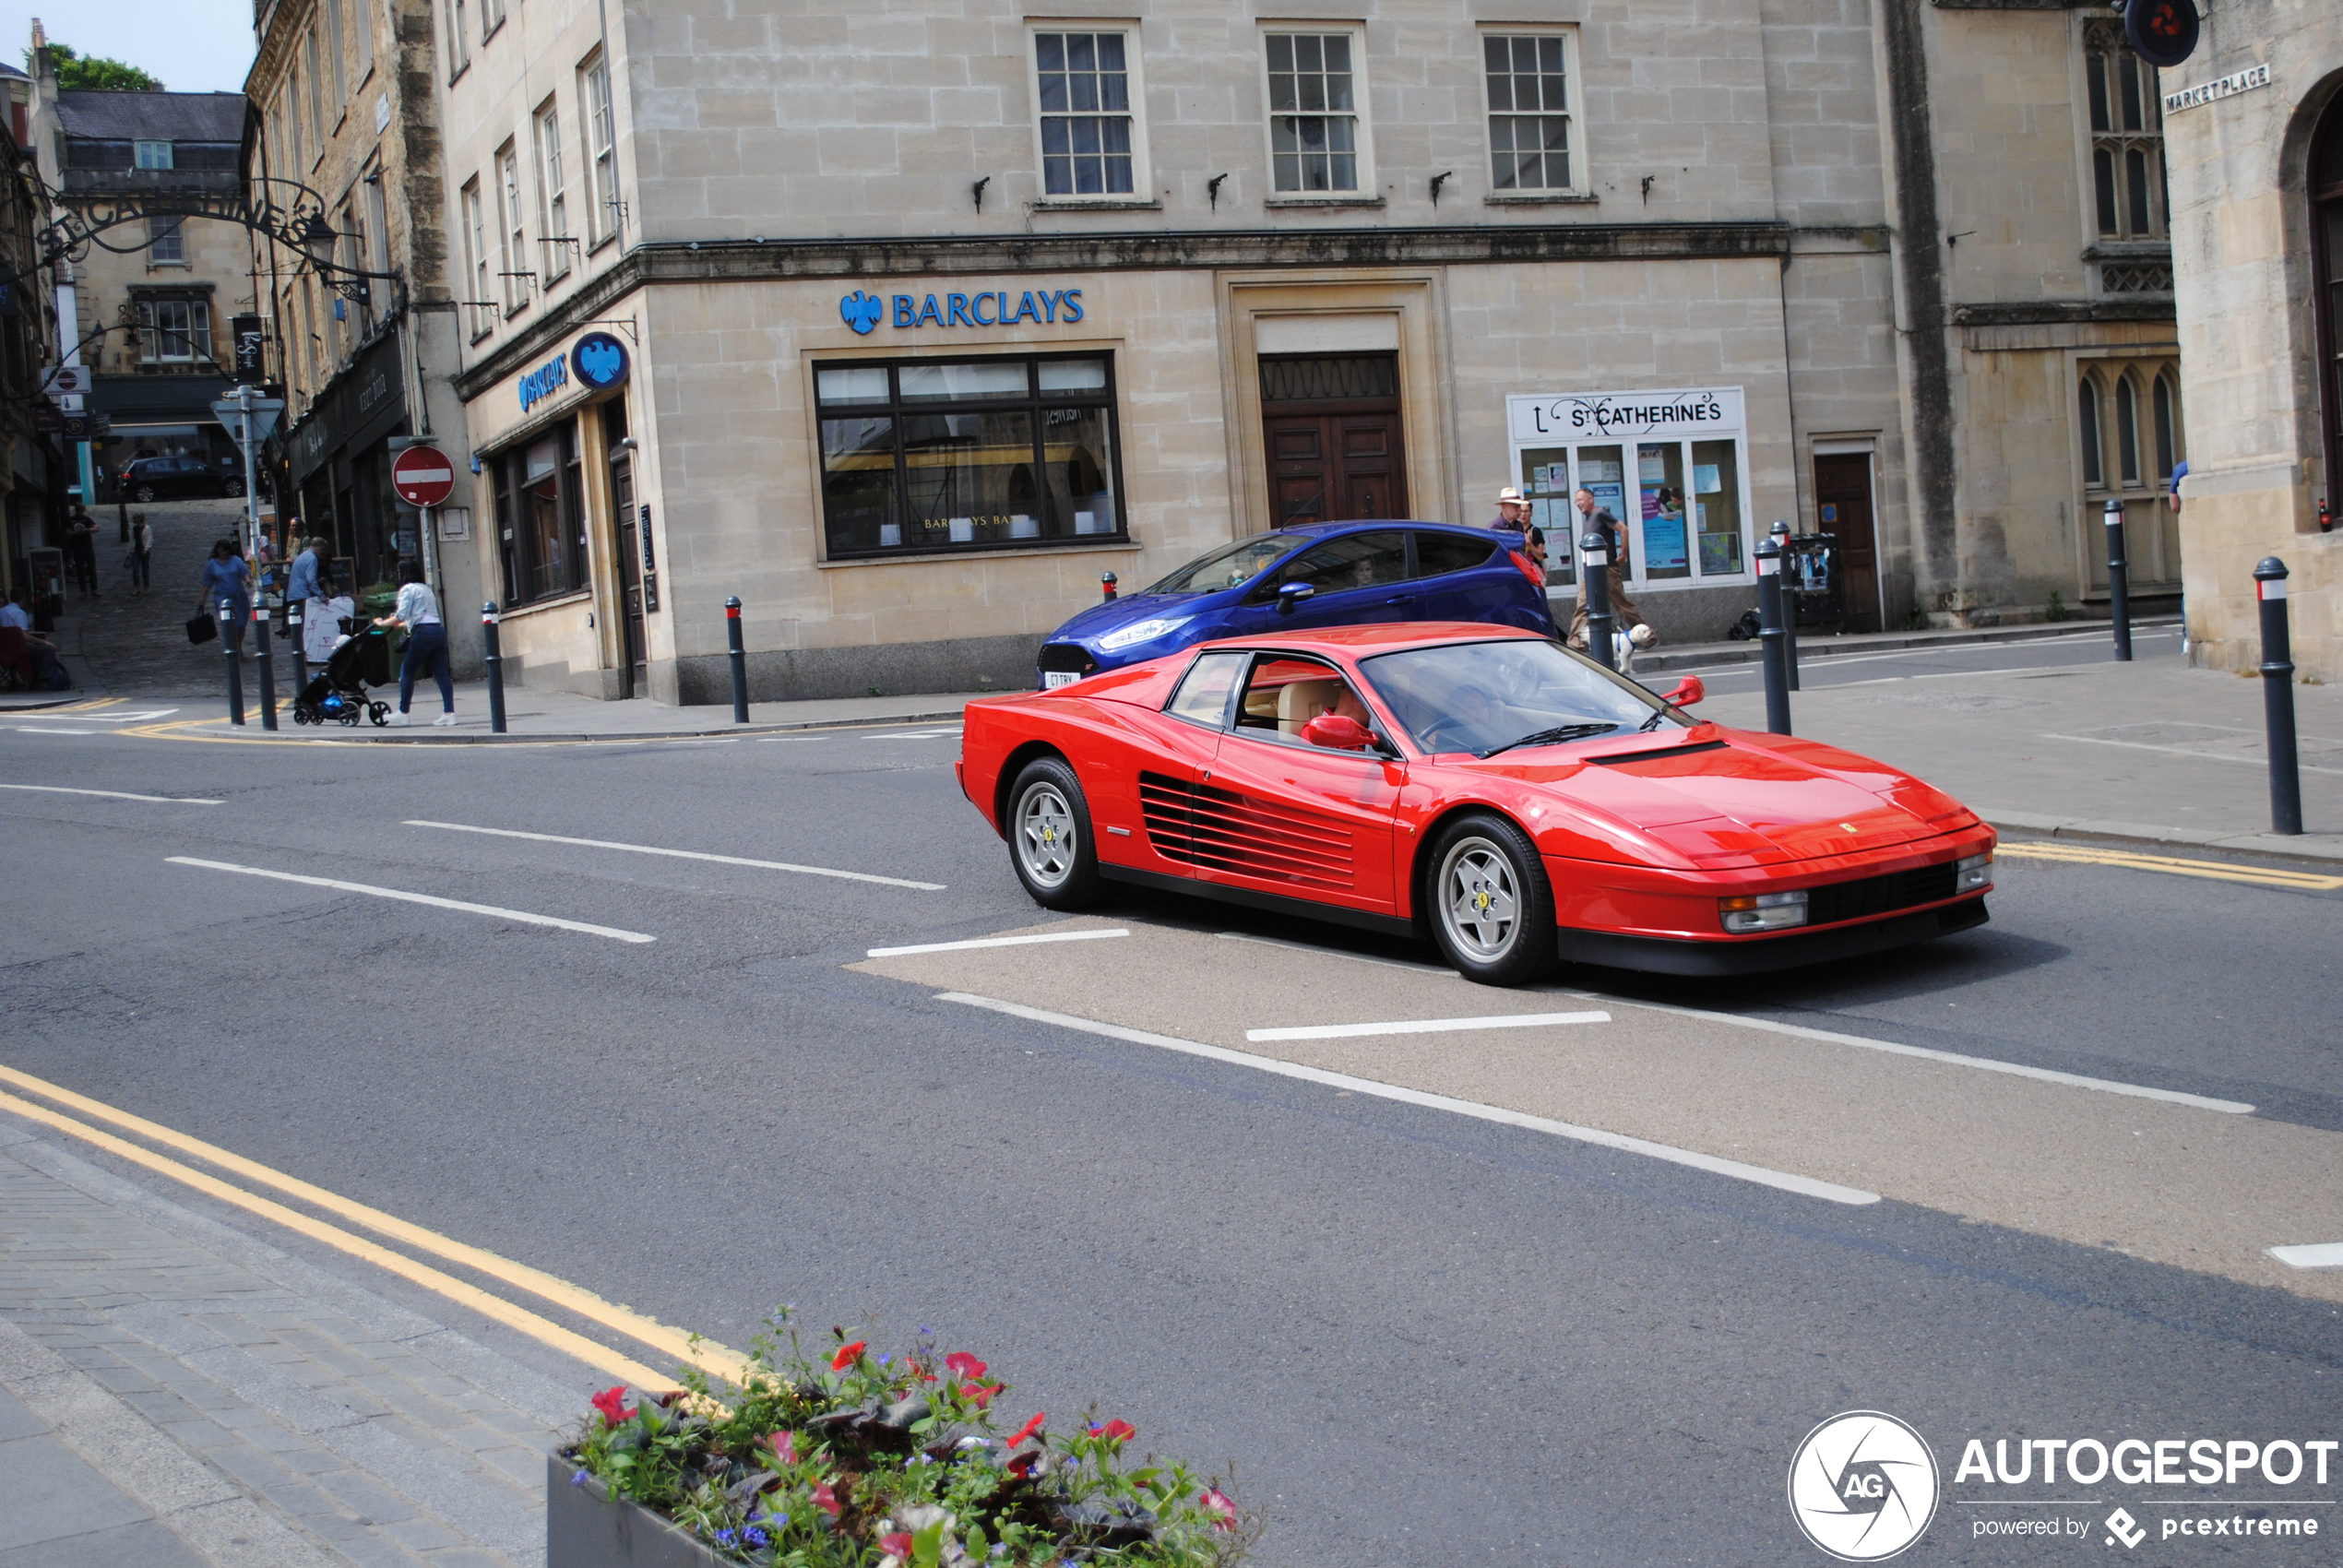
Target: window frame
1574,149
334,57
2321,203
492,17
598,128
1035,400
2105,58
140,147
553,192
363,13
1142,191
1233,716
512,227
472,217
316,100
459,43
159,230
1366,190
508,468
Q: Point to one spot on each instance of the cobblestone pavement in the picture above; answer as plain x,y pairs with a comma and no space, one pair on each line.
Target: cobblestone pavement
177,1393
137,644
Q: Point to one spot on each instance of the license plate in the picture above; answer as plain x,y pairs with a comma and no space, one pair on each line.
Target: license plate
1052,679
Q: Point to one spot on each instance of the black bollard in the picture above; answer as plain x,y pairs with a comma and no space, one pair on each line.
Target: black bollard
293,607
496,666
1594,583
1769,617
2118,583
1106,587
121,514
740,660
260,628
235,667
2278,698
1781,532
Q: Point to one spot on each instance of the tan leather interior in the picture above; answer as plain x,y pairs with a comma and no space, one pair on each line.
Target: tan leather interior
1300,701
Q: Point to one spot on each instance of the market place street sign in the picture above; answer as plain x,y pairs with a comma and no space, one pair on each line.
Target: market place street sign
2227,87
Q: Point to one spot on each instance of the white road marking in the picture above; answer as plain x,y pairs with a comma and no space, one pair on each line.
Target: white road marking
2183,751
114,795
35,730
1984,1063
680,854
1335,953
1428,1025
2323,1255
992,942
402,895
915,735
1806,1186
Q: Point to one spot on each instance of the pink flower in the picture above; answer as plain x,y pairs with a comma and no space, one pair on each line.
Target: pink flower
1029,1428
611,1402
961,1364
826,1501
784,1446
979,1394
897,1545
1215,1501
847,1356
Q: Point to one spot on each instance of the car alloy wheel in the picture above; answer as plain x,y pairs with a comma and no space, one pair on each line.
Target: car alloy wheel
1049,832
1491,907
146,492
233,488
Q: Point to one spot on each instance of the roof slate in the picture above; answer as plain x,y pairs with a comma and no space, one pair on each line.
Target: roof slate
155,116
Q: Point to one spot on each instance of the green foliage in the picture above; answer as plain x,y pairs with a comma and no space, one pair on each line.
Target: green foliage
95,73
2057,610
867,1459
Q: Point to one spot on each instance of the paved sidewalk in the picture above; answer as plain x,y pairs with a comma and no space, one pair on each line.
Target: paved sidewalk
174,1391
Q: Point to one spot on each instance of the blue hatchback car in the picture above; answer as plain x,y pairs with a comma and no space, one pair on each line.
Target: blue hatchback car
1321,575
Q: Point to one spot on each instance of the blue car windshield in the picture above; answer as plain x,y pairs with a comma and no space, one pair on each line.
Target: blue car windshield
1489,696
1231,566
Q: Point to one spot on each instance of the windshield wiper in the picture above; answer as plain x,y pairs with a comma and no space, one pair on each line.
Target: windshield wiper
1550,737
1649,725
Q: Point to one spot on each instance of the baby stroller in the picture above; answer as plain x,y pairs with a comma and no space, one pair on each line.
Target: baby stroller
340,695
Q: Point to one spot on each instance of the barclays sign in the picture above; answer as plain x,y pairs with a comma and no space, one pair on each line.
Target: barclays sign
543,382
1056,307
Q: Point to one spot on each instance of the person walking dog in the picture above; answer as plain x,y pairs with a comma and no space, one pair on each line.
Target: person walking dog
1625,618
418,610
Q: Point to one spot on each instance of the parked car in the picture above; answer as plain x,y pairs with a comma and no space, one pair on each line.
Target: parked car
167,478
1322,575
1488,788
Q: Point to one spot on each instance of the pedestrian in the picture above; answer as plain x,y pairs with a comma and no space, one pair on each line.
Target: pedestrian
142,556
1513,517
303,588
418,610
81,551
1625,619
2172,492
227,582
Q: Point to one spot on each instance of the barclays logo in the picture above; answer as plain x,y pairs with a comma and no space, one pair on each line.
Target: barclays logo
862,311
599,359
1058,307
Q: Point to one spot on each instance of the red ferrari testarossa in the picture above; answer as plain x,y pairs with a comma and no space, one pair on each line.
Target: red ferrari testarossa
1514,800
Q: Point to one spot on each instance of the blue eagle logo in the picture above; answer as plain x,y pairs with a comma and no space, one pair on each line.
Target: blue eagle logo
862,311
600,360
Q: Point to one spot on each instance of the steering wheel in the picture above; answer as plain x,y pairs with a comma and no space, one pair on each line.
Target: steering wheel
1450,734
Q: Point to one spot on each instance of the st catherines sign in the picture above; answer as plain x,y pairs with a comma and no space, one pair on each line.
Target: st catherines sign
1693,412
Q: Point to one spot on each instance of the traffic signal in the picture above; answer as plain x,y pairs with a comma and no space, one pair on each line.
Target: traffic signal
2162,32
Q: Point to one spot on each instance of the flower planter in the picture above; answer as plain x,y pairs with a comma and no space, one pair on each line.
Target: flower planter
587,1528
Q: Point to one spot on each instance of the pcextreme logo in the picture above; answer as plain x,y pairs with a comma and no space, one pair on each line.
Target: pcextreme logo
1862,1486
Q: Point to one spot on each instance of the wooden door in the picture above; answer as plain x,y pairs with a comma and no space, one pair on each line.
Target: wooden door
631,656
1842,506
1335,468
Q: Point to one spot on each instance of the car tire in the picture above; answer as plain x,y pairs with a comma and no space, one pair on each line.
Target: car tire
232,489
144,492
1049,833
1488,902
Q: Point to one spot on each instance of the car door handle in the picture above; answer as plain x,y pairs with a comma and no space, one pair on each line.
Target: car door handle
1402,598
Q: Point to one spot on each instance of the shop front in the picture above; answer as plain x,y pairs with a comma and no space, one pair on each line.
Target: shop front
337,461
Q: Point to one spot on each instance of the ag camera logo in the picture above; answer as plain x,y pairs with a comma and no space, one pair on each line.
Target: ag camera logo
1863,1486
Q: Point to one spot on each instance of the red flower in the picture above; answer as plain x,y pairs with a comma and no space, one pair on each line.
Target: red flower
896,1545
784,1446
611,1402
1022,1464
962,1364
1116,1432
979,1394
847,1356
826,1501
1029,1428
1215,1501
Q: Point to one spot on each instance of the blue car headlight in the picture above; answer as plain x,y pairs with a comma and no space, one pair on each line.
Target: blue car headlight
1145,631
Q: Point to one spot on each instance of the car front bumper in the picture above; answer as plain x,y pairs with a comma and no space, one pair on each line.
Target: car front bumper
1758,955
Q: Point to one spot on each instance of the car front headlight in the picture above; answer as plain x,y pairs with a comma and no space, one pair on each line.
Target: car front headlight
1974,873
1761,911
1145,631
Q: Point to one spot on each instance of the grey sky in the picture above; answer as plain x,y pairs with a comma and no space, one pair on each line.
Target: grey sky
194,45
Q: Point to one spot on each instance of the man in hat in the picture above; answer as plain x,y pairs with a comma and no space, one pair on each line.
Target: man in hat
1513,517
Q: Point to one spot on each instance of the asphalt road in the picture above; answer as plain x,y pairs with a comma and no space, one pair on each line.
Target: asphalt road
1423,1337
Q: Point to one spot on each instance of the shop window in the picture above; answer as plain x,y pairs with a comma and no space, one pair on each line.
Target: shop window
2325,182
991,454
2127,136
1317,145
1677,494
540,517
1085,92
1529,111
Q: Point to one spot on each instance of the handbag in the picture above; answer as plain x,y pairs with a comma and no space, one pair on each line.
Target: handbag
200,630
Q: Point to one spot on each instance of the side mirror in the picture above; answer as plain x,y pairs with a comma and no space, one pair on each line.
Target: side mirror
1293,594
1339,731
1688,691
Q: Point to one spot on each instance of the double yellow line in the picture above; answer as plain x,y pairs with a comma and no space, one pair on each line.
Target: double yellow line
2219,871
711,1356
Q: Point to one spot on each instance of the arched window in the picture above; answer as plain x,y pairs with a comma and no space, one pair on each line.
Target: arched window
2166,429
2127,429
2086,416
2326,185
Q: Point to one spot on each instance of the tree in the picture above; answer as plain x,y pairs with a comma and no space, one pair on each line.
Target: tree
97,74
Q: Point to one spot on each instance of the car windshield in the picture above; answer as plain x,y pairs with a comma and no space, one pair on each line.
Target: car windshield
1231,566
1493,696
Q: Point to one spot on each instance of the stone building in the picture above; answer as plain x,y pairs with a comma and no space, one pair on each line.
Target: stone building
153,300
34,477
906,326
2256,126
361,330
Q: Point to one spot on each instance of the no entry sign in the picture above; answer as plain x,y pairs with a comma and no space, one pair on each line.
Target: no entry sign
423,476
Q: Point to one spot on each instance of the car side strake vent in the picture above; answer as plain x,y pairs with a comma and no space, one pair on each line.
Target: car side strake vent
1221,830
1879,895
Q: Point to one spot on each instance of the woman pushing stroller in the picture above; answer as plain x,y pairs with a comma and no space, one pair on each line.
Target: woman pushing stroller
418,611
